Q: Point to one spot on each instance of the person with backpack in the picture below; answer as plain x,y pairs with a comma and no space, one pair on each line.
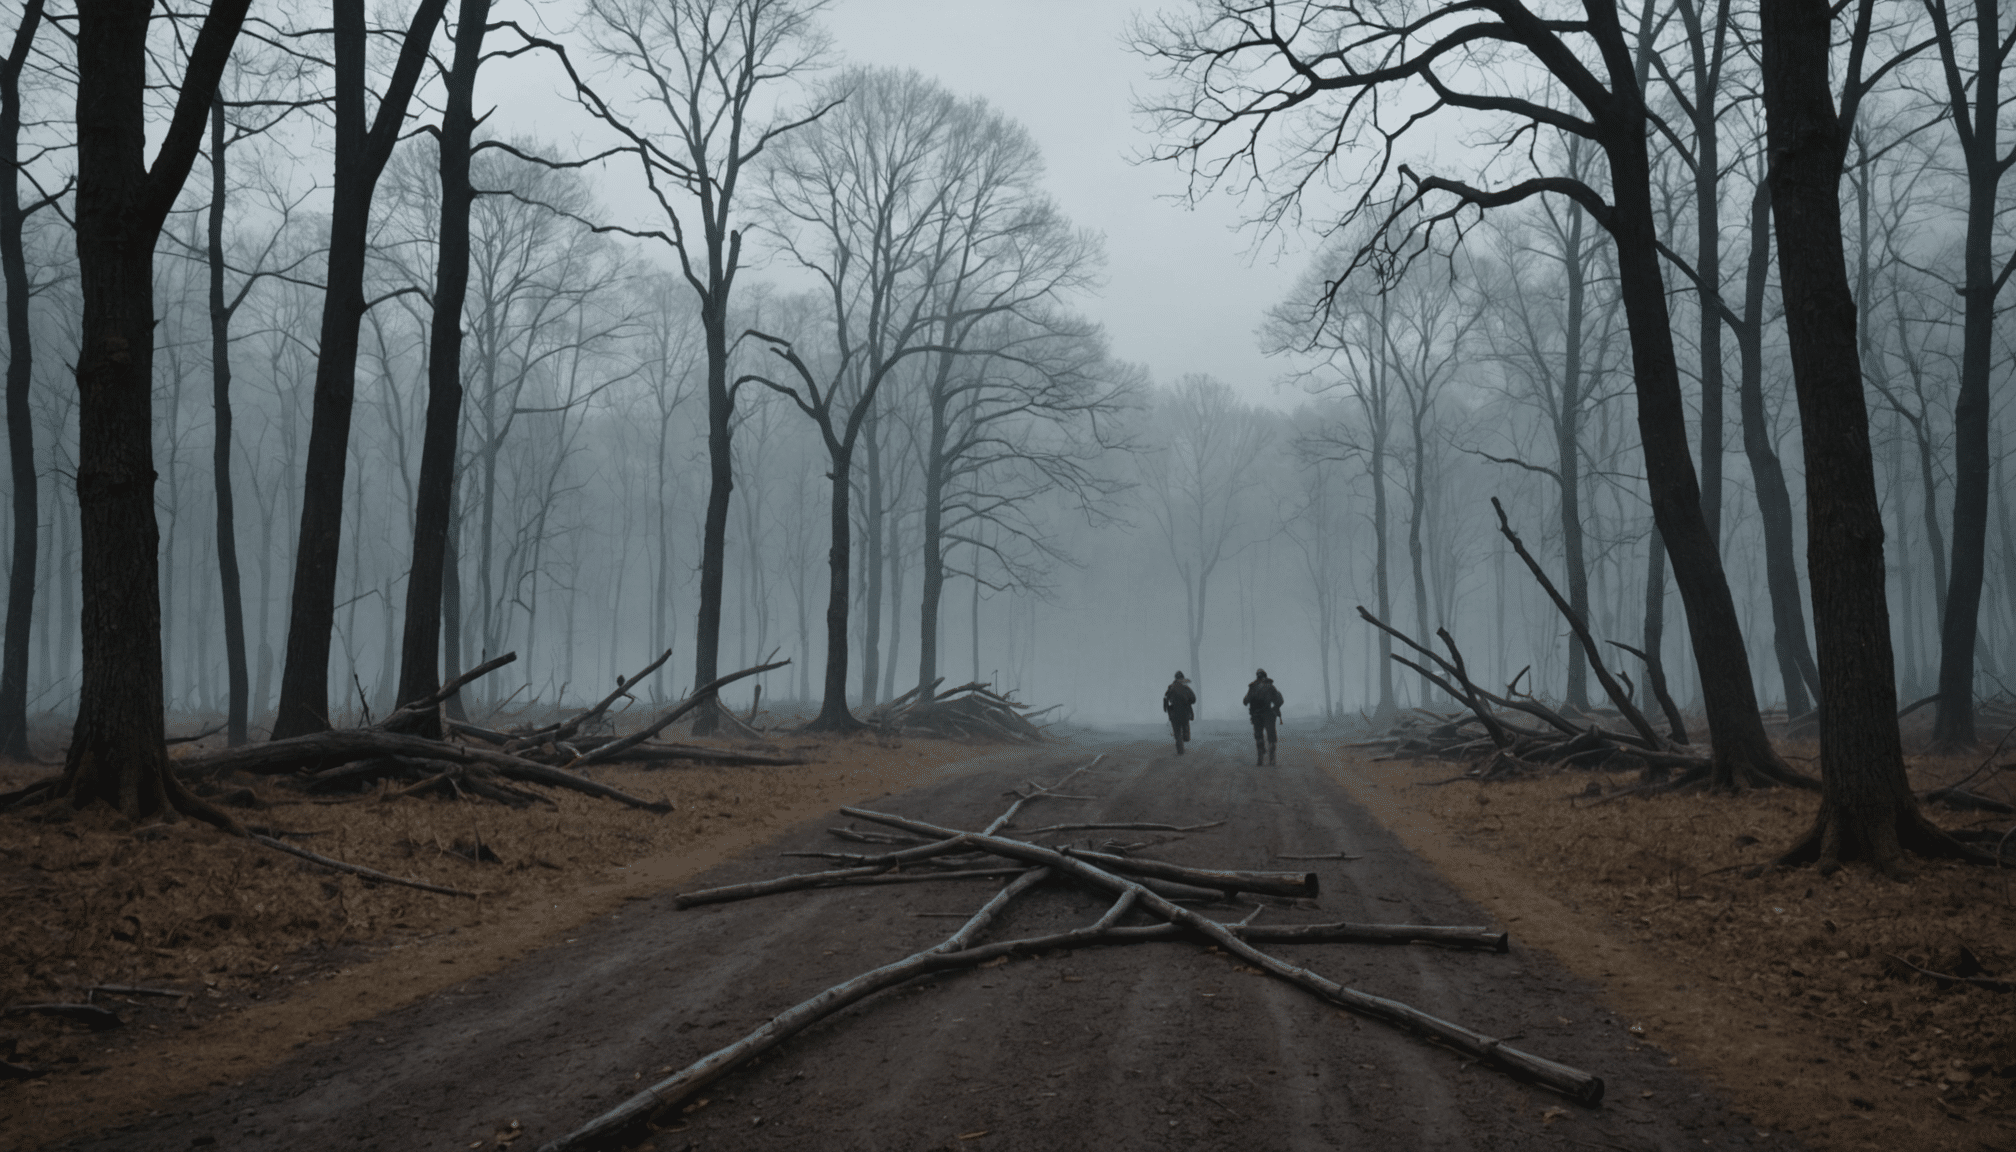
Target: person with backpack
1263,704
1180,702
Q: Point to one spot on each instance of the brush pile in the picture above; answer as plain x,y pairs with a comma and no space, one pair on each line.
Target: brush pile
969,712
469,762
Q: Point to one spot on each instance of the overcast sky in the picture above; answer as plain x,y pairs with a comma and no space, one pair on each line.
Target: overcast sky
1182,294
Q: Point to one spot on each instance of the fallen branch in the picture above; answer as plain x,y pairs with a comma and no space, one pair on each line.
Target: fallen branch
1982,982
356,869
700,696
611,1126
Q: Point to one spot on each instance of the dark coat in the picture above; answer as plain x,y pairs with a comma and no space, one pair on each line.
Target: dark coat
1178,700
1263,700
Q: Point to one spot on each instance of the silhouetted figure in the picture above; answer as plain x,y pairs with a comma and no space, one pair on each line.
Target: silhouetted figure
1263,704
1179,700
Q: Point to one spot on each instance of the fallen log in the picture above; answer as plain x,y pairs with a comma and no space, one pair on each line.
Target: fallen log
413,712
1577,1085
700,696
720,757
564,729
1131,826
357,869
1290,884
799,880
1616,692
331,750
1285,884
632,1114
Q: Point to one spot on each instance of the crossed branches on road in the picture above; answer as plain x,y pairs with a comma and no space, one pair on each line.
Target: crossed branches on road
1136,886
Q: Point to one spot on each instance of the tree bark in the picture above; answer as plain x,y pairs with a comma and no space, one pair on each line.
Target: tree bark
1742,752
834,715
1774,499
360,156
1568,451
1953,726
420,649
20,421
1867,811
720,482
229,585
117,755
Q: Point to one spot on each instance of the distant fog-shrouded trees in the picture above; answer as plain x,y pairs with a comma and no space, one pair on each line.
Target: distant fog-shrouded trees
391,385
940,274
692,82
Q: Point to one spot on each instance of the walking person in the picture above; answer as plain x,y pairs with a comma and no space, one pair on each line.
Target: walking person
1179,700
1263,704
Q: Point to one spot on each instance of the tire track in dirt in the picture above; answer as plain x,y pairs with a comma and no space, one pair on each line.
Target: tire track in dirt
1140,1047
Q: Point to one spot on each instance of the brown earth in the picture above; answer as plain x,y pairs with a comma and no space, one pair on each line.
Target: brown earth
1166,1045
275,953
1780,990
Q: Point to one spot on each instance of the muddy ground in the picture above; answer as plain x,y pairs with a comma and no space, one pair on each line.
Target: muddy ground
1162,1045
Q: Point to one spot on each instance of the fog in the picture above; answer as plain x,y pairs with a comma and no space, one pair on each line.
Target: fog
1181,457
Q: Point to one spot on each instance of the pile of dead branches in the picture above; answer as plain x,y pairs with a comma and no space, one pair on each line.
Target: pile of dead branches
473,762
969,712
1495,731
1141,889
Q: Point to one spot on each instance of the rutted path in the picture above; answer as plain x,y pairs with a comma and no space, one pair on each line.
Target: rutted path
1145,1046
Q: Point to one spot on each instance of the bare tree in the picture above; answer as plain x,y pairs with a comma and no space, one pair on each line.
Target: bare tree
20,379
1199,480
1976,117
117,751
361,153
1241,70
1867,811
420,656
699,70
858,200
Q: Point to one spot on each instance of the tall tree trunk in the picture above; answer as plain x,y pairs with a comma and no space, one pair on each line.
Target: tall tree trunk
934,541
1568,453
1742,752
834,715
1655,633
893,554
1774,498
871,563
228,582
1867,811
1382,582
453,655
1953,726
420,647
20,421
117,753
360,155
720,482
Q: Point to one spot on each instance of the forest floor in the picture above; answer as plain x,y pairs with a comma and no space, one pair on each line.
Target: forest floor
1720,1009
271,953
1151,1046
1782,990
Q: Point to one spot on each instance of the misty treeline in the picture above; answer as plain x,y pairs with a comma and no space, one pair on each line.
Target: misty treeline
1642,177
767,351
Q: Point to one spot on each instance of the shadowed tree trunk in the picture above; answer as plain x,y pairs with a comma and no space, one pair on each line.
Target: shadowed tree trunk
419,673
228,583
20,422
117,755
1867,811
1978,128
360,157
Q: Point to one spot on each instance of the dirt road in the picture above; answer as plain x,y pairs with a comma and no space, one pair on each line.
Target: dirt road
1145,1046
